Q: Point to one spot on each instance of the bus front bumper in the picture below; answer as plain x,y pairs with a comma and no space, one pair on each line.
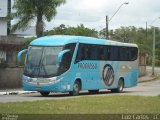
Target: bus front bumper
42,84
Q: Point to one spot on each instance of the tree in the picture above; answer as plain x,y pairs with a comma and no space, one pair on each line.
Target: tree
102,33
80,30
137,35
29,10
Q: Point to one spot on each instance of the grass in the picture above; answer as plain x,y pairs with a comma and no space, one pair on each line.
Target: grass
86,105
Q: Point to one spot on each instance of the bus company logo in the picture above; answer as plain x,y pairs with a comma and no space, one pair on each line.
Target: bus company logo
108,75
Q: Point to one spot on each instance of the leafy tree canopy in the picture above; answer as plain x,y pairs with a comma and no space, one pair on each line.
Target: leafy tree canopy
80,30
27,11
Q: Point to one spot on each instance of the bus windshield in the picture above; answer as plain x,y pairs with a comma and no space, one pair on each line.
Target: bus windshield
42,61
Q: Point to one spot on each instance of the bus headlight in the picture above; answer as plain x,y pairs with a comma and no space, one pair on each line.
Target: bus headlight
54,80
27,79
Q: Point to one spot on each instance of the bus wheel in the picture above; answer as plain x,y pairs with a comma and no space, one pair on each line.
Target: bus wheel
44,93
93,91
76,89
120,87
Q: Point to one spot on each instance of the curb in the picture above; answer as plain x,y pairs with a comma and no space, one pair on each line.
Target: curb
153,79
16,92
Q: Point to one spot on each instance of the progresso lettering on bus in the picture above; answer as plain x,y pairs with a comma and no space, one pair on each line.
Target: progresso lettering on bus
87,65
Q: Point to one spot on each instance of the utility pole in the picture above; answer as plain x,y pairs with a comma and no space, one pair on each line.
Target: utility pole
146,54
108,20
107,35
153,48
153,52
146,32
9,21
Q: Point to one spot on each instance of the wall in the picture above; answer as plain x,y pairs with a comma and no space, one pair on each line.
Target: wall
3,26
10,78
142,71
10,74
10,45
142,64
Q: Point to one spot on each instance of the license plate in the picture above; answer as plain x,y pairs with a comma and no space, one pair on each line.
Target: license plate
41,80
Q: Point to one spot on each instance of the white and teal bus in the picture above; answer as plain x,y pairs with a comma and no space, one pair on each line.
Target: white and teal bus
75,63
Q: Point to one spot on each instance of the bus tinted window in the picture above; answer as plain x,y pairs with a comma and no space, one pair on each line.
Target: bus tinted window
100,52
108,52
86,52
133,53
93,53
67,58
114,53
123,54
81,55
128,53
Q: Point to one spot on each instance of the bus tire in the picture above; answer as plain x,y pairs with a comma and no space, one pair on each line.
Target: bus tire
76,89
44,93
119,88
93,91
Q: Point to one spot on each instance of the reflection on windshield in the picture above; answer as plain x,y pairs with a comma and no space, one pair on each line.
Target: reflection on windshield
42,61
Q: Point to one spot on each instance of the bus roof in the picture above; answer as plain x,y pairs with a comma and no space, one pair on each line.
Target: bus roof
60,40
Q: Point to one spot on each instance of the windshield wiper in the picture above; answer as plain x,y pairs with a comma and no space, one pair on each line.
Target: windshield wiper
44,69
41,65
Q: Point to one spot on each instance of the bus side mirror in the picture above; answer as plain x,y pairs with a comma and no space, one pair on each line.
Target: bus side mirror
60,55
19,56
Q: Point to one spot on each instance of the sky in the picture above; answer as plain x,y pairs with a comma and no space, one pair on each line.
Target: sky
92,13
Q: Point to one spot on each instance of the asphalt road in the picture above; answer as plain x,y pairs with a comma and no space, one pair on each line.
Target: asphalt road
156,69
143,89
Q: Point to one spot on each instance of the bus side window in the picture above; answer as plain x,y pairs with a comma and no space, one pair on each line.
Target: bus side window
101,52
80,55
71,47
128,53
112,53
133,53
84,52
87,52
93,52
66,62
122,54
67,58
107,53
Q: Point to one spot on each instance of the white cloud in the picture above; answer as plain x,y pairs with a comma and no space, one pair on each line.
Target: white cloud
92,13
